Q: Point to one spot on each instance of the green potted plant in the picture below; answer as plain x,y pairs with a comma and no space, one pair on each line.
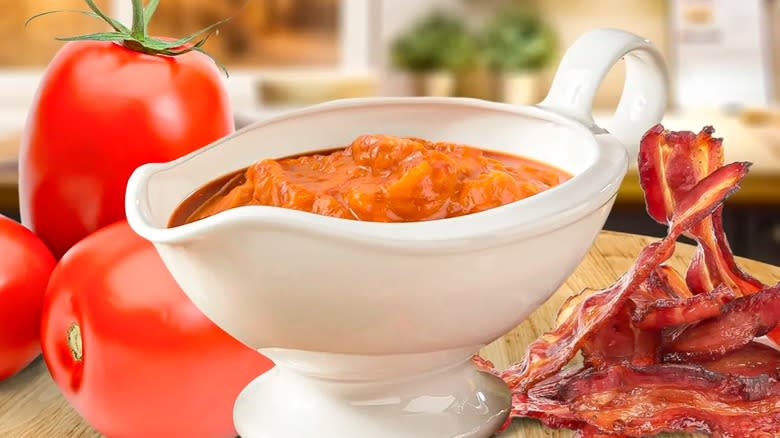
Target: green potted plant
516,46
433,51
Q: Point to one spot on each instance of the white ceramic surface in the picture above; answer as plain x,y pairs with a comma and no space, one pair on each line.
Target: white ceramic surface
371,325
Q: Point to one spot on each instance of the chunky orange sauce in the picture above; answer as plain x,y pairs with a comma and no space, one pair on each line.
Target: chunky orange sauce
379,178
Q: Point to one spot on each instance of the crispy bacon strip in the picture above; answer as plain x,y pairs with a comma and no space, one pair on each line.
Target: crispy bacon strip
536,403
483,364
670,165
664,283
548,354
572,304
675,283
754,360
626,386
745,281
648,348
741,321
554,349
632,401
716,264
552,413
658,288
698,277
615,342
620,341
666,313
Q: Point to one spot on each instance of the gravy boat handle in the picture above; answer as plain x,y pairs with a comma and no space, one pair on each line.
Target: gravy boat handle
583,68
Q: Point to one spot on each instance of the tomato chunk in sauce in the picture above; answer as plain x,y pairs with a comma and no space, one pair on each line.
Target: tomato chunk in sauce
379,178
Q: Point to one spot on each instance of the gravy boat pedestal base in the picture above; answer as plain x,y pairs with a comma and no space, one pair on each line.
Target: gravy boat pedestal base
428,395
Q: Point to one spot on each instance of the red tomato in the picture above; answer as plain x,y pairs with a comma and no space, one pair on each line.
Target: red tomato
25,266
101,111
131,352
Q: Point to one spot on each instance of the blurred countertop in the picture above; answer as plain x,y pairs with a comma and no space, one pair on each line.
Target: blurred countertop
747,136
9,151
752,135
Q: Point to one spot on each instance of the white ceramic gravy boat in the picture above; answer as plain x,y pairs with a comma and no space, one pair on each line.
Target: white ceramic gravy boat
372,325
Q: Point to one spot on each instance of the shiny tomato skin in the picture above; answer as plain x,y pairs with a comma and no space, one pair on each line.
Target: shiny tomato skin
25,266
101,111
148,364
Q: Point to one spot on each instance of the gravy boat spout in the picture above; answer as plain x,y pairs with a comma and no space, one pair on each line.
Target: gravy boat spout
372,324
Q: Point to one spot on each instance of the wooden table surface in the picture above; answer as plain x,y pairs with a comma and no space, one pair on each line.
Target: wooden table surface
31,407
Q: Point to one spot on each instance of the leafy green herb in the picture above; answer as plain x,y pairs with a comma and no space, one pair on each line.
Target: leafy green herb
437,42
518,40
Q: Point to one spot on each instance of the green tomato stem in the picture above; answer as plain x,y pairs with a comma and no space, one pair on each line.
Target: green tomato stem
138,39
139,28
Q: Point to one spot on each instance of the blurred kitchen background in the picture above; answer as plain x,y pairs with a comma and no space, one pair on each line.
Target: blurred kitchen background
724,58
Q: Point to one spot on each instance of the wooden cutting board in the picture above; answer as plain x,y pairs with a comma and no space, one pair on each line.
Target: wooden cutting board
31,407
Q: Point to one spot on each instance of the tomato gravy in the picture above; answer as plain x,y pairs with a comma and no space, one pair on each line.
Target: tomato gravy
378,178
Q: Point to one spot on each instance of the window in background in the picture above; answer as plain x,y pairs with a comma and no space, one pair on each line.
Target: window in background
34,46
278,33
714,45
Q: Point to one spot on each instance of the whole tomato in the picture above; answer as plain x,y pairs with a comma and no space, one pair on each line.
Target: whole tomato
106,105
25,266
130,351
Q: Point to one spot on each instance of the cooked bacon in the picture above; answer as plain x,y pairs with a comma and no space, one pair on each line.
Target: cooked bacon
632,401
483,364
620,341
663,283
698,277
548,354
741,321
647,345
706,196
727,388
552,413
614,342
555,349
663,353
716,264
745,282
753,360
670,165
572,304
666,313
537,402
673,281
655,288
